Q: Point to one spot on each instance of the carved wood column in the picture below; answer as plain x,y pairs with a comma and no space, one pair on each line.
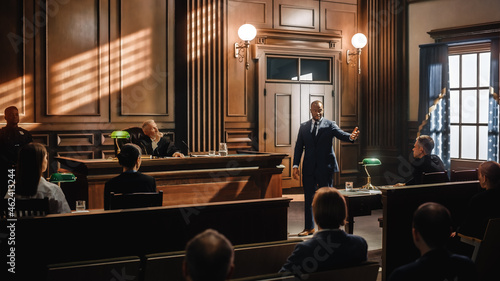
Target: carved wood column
205,73
384,87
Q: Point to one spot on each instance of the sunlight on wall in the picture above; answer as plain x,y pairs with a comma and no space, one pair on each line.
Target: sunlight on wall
12,93
74,82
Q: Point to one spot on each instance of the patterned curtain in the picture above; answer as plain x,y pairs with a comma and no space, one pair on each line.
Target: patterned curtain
494,101
434,98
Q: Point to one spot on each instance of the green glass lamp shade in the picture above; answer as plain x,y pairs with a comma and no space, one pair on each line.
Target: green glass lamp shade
120,135
371,162
62,177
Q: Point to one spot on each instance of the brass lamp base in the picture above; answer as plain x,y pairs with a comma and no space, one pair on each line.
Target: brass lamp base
368,184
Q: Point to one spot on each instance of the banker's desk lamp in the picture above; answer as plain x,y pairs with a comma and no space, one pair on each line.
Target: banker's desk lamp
62,177
116,135
369,162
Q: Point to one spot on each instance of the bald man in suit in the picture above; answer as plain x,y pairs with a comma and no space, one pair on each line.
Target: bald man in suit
315,141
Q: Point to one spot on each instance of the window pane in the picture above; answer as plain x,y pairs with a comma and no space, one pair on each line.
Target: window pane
469,70
282,68
314,70
469,106
484,69
483,106
468,142
454,107
454,141
483,143
454,64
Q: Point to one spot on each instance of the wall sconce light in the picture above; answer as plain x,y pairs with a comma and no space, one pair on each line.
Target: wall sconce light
358,41
247,33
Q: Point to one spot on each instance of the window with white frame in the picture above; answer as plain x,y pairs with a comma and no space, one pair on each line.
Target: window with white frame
469,70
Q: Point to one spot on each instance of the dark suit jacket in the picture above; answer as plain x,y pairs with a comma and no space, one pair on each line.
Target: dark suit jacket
427,164
319,155
128,182
436,265
326,250
482,207
11,141
166,148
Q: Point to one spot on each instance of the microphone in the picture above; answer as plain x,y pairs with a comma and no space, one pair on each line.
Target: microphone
188,150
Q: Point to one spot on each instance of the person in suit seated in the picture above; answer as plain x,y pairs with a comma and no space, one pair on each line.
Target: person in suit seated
155,143
315,139
431,229
12,138
422,161
330,247
32,162
209,256
130,180
484,205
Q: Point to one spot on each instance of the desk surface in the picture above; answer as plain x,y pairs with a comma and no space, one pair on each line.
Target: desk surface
360,192
184,180
111,166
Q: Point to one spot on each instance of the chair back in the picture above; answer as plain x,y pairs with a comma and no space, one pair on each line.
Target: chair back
136,134
24,208
435,177
135,200
488,255
464,175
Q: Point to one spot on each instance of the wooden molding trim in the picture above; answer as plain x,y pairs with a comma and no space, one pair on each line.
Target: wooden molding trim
489,29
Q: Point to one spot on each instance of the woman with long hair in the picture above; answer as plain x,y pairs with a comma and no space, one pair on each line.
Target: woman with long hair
32,162
484,205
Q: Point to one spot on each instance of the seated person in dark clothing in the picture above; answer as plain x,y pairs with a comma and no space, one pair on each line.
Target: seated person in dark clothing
431,229
155,143
485,205
12,138
422,161
130,181
209,256
330,247
30,184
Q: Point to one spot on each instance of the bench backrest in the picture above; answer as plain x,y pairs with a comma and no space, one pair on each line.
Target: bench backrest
124,268
249,260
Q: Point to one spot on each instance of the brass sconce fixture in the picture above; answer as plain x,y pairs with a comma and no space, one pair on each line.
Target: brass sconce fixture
247,33
358,41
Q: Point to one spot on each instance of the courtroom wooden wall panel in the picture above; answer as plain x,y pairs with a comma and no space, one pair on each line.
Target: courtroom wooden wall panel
72,80
17,66
293,15
143,53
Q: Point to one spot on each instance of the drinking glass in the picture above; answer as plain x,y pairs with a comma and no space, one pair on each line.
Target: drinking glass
223,149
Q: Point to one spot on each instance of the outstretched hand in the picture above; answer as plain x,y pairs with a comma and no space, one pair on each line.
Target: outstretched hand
354,134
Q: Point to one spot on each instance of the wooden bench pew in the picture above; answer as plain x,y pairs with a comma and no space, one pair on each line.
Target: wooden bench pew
249,259
124,268
63,238
367,271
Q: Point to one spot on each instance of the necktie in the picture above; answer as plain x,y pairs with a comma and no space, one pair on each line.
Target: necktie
315,128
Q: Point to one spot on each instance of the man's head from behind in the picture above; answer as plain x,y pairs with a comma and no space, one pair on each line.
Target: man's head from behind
431,225
329,208
423,146
209,256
